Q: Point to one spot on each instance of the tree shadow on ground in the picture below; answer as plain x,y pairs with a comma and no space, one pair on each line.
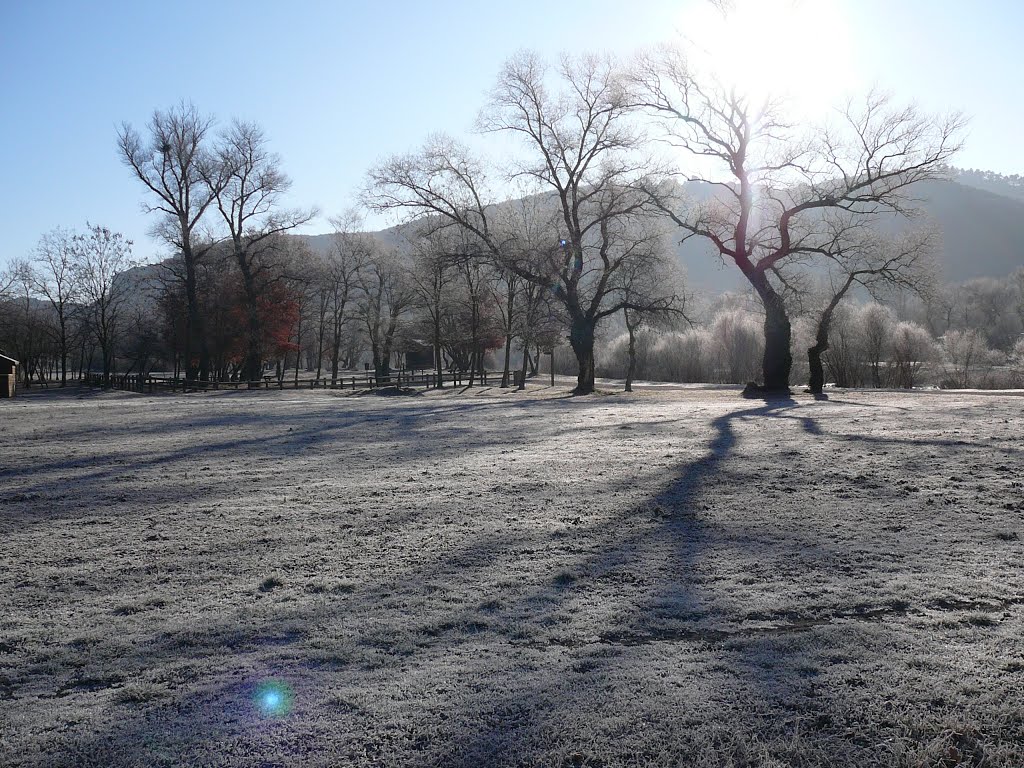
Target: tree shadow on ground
630,651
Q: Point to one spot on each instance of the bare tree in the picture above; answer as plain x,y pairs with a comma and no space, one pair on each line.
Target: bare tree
876,323
583,153
912,348
505,287
651,291
770,210
173,162
54,277
23,323
248,183
350,254
944,309
431,277
876,263
994,307
100,259
966,352
385,297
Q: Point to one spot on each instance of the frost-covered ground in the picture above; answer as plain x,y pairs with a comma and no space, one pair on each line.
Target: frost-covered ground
674,577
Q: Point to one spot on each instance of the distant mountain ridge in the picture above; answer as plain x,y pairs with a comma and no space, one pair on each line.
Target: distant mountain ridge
1007,186
982,231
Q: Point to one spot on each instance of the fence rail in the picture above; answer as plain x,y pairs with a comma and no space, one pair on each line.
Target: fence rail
368,380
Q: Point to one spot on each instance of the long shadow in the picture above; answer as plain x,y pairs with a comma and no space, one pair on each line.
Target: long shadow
546,688
267,435
605,565
666,554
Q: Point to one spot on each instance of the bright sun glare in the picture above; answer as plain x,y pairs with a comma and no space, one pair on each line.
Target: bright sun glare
798,50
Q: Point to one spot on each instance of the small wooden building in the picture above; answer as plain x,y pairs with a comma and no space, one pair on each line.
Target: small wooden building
8,376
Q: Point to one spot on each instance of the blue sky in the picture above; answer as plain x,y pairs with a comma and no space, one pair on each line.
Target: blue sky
338,85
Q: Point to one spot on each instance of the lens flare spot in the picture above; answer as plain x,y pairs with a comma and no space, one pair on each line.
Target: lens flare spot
274,698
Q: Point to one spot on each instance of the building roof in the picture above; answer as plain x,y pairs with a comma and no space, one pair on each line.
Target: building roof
6,359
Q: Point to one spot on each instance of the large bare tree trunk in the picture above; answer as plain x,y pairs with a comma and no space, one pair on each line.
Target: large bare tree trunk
581,338
254,353
197,355
778,359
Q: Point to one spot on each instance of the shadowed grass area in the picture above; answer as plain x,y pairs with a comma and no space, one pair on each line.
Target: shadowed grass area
659,579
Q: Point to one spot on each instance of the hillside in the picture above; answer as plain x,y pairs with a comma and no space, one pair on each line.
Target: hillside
982,236
1007,186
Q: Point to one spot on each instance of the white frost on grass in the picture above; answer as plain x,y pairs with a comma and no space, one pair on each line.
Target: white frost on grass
676,576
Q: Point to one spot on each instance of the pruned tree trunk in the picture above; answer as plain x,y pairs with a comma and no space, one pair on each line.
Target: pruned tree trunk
508,333
508,359
254,352
778,358
298,349
581,337
816,384
336,350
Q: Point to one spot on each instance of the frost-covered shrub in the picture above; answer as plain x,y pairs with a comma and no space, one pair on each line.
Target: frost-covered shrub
965,356
612,359
912,350
738,338
844,359
874,327
682,357
803,333
1015,363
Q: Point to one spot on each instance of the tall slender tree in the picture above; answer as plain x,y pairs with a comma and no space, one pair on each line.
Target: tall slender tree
54,277
341,271
175,164
247,184
101,258
581,152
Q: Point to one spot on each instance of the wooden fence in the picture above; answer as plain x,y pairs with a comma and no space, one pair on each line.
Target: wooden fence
368,380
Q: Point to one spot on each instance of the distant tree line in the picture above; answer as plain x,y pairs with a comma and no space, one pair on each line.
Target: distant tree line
580,255
969,335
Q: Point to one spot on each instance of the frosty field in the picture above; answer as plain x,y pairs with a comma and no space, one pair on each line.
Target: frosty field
673,577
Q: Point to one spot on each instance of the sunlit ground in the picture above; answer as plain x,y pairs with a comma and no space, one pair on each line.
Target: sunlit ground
678,577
